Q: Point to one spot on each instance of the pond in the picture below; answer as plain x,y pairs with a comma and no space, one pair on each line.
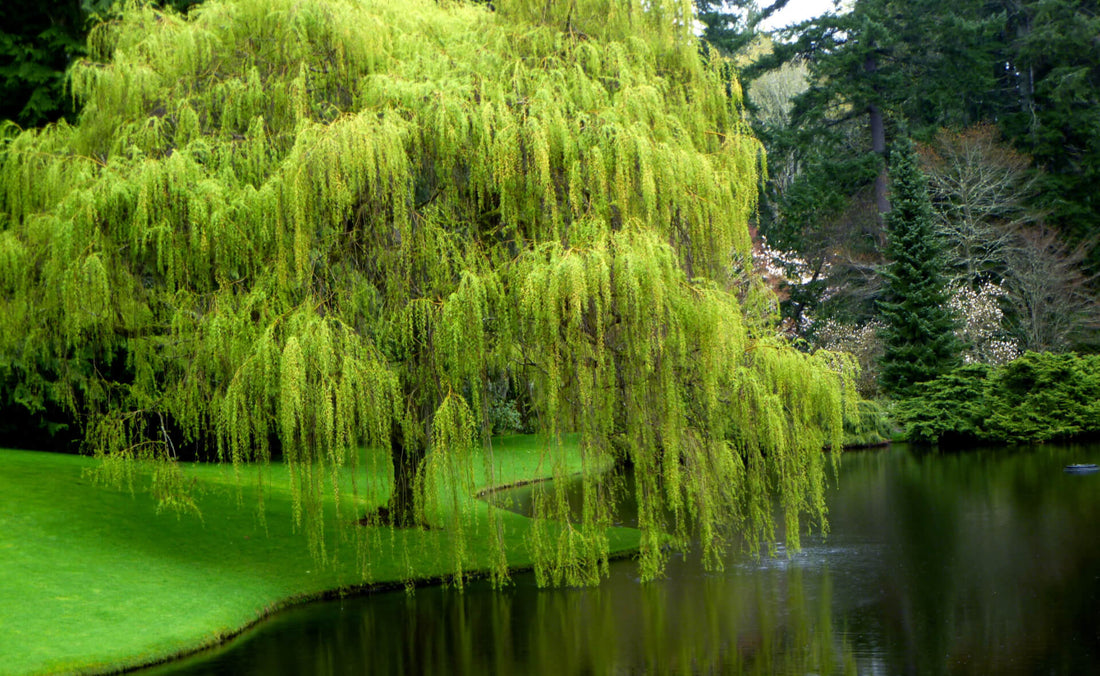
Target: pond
984,562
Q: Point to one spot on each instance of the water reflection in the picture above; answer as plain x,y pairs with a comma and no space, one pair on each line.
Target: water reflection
987,563
745,622
991,561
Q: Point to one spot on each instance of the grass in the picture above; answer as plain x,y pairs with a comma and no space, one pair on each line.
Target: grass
92,579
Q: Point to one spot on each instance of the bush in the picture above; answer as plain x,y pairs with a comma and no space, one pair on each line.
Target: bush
1043,396
951,406
1034,398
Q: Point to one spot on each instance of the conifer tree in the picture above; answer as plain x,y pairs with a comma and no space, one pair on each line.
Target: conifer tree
919,336
298,229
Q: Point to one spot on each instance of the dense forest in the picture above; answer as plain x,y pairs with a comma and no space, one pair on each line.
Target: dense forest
1002,102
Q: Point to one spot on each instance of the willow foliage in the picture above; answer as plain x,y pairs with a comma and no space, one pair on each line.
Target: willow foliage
298,229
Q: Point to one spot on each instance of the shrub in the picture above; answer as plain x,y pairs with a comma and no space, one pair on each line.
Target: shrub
1037,397
1043,396
948,407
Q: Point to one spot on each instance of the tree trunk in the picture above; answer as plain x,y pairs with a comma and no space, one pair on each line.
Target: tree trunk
878,146
401,510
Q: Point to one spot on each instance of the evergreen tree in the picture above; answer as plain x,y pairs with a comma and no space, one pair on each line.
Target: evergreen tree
1053,79
919,337
298,229
827,194
727,30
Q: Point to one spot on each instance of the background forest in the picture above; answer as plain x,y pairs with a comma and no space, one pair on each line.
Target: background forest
1001,100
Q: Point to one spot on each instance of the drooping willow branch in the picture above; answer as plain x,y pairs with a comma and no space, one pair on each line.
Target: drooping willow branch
316,230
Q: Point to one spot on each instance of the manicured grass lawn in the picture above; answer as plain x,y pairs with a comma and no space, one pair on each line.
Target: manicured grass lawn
93,579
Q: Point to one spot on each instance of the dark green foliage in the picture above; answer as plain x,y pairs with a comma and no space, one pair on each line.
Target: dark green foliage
38,43
1029,66
828,185
919,339
731,25
725,30
1038,397
1044,396
878,52
1057,118
949,408
38,40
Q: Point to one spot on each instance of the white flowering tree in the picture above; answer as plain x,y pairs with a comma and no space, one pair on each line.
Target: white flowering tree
982,328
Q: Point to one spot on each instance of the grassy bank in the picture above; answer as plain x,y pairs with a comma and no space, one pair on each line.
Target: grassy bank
92,579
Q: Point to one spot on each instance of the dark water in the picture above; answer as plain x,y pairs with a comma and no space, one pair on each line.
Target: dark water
986,562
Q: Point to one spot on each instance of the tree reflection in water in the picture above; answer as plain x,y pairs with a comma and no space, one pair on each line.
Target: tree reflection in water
976,563
762,618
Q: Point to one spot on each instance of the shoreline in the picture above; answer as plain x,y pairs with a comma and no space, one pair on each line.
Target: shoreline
331,595
231,586
92,581
355,590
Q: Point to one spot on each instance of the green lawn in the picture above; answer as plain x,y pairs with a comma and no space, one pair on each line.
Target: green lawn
92,579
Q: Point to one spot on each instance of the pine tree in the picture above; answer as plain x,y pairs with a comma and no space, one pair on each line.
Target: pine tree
298,229
1055,79
919,337
827,195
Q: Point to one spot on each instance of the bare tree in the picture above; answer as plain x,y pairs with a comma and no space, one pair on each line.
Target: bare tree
1051,305
981,190
981,193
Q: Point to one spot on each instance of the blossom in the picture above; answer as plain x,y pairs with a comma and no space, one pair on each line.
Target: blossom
982,323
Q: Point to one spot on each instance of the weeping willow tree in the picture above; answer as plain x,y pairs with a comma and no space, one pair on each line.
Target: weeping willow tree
298,229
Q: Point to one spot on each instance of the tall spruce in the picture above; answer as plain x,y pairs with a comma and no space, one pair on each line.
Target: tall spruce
298,229
1054,80
919,337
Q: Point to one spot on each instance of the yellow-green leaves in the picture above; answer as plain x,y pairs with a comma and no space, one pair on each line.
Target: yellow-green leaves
319,230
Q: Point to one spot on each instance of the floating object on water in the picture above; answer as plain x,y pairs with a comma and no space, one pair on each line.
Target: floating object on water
1082,469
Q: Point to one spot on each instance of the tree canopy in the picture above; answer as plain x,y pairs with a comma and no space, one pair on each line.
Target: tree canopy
299,229
37,41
